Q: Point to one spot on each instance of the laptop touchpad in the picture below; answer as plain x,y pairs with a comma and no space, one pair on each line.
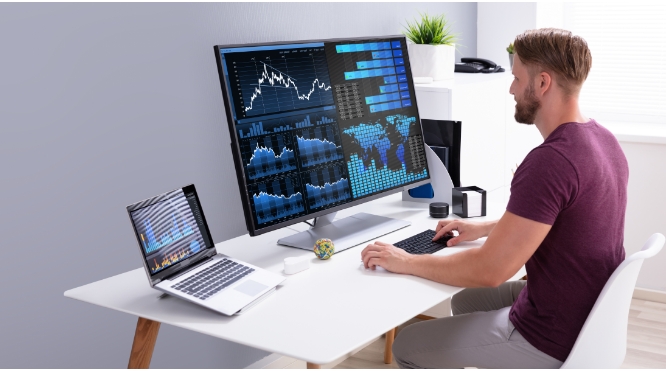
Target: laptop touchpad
250,287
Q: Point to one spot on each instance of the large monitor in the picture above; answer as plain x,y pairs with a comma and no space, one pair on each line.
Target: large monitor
319,126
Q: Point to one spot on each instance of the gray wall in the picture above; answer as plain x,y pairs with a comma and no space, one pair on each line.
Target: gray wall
102,105
499,24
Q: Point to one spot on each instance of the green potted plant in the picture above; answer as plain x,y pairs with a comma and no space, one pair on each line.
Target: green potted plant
432,52
511,53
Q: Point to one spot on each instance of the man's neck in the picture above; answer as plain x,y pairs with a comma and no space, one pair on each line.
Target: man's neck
550,117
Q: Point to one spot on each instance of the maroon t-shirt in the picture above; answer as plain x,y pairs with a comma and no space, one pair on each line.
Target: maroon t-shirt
575,181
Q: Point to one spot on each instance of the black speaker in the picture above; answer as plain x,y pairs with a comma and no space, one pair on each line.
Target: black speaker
439,209
443,137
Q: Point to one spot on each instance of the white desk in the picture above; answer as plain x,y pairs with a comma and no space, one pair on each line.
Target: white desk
318,315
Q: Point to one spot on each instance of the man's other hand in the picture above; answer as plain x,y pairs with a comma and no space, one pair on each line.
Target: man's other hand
386,256
467,231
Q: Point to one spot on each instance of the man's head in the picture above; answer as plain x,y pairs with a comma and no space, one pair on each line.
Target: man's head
550,65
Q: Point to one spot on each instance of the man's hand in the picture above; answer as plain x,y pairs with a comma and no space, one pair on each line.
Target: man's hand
511,242
467,231
386,256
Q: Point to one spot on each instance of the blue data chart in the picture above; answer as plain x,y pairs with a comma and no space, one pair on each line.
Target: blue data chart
374,136
319,145
376,72
388,154
268,155
271,81
151,243
327,186
282,124
168,231
382,45
383,61
373,178
265,162
276,199
195,246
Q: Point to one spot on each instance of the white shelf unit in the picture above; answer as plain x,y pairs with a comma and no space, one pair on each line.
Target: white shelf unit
492,143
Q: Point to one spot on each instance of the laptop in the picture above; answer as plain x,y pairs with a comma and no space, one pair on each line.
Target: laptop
180,259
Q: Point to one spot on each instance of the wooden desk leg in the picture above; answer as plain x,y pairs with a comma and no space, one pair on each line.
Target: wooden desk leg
313,365
388,350
144,343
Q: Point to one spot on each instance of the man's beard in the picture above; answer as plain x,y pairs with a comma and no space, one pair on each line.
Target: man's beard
527,107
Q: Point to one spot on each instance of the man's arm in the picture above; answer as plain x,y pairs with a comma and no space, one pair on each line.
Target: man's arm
510,244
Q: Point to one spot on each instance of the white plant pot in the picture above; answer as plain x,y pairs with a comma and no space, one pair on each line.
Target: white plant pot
436,61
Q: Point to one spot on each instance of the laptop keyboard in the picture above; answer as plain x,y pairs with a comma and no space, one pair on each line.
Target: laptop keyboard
213,279
422,243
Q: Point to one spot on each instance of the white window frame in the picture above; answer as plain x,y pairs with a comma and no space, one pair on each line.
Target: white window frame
636,93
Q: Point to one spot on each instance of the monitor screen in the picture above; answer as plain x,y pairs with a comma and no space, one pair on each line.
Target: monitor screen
319,126
170,228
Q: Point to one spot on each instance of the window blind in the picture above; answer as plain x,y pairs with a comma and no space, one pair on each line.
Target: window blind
627,82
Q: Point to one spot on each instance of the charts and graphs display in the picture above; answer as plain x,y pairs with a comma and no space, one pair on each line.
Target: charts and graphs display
317,125
386,153
281,197
282,79
168,228
268,155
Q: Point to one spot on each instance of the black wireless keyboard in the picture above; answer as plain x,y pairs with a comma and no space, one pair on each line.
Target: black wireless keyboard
422,243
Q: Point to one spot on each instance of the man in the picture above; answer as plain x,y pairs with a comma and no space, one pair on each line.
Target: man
564,222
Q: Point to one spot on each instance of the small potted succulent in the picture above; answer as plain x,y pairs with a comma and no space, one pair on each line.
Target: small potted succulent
432,51
511,53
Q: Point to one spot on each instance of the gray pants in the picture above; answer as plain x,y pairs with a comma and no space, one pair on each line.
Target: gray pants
479,334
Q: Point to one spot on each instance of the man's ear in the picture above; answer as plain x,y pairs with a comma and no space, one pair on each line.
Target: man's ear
544,82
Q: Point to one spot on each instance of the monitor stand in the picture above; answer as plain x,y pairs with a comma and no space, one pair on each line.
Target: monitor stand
345,233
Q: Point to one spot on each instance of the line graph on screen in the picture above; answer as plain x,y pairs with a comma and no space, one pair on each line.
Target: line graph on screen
283,82
276,78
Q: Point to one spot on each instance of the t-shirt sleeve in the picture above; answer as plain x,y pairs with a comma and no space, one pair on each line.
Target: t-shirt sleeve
544,184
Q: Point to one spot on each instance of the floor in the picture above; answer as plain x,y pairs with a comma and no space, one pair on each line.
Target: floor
646,335
646,343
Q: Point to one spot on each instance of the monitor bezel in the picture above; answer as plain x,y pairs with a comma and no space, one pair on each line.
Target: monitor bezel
235,145
176,268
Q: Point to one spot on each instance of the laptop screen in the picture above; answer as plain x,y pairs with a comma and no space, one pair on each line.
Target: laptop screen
170,228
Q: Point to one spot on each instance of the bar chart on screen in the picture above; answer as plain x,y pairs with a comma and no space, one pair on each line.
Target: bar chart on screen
151,243
168,231
386,68
282,124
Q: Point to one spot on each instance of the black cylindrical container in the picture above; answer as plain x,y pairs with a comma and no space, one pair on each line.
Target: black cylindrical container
439,209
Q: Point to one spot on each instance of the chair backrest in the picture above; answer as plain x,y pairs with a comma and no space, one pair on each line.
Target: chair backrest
602,342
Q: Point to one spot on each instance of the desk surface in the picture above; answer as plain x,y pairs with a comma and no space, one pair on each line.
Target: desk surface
318,315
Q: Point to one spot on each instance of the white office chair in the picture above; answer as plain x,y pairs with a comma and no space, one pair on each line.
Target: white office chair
602,342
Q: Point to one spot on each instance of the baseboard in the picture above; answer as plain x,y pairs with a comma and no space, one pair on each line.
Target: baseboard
276,361
650,295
